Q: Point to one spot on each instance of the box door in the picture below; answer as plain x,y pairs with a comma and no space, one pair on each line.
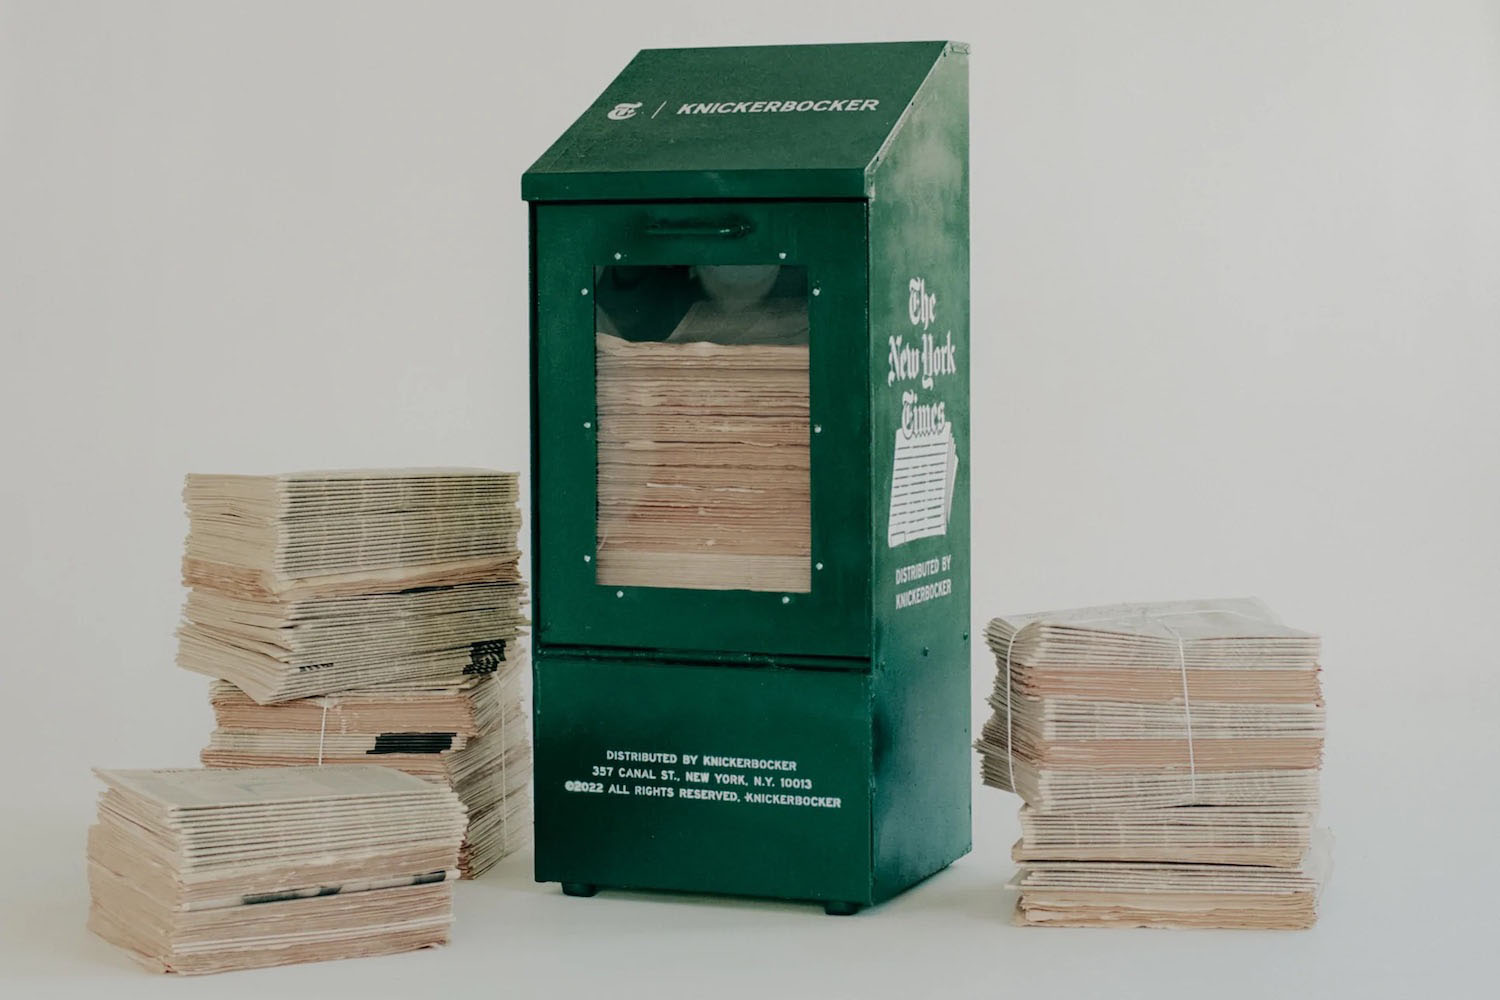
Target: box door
702,460
704,777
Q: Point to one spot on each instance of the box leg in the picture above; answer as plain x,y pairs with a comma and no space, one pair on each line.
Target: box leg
837,909
579,889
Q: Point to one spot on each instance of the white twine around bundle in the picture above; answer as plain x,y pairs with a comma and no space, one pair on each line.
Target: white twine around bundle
323,729
1187,707
1010,740
1187,712
504,768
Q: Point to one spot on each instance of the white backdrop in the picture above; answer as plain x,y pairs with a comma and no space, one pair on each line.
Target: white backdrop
1236,331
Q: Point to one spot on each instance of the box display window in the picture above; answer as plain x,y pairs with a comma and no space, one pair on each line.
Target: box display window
702,466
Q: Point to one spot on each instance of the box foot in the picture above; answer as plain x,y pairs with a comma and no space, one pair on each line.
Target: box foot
837,909
579,889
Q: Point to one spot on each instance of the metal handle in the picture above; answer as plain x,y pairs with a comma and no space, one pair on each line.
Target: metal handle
730,229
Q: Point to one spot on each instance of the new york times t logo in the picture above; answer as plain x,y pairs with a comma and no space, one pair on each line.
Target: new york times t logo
625,110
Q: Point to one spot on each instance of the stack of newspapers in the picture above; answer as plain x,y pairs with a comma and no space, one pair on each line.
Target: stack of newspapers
1168,755
198,871
703,464
369,616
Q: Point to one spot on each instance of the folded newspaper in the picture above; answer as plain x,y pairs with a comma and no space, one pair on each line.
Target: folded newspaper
1168,755
315,583
371,616
197,871
470,737
703,462
349,531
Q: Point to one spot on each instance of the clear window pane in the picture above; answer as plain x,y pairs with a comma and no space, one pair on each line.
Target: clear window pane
702,392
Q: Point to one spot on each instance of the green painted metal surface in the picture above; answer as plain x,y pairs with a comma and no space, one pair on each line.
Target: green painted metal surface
571,610
862,682
714,123
919,301
691,816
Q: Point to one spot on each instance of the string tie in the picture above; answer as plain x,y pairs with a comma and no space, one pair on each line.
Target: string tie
1187,707
323,728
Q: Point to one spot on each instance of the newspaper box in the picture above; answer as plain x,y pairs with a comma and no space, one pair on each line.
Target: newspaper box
750,419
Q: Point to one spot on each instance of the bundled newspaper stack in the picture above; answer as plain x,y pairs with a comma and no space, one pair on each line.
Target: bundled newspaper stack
1168,755
199,871
368,616
312,583
703,468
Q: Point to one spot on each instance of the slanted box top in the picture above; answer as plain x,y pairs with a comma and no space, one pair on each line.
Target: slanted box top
784,121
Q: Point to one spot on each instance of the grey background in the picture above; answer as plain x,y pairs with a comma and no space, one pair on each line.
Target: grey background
1235,321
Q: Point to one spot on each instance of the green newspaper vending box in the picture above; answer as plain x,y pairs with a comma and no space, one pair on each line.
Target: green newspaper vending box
750,475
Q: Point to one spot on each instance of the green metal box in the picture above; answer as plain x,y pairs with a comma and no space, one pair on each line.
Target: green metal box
750,479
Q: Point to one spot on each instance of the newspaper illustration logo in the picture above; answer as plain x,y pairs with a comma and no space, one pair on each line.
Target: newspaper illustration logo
924,467
624,110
